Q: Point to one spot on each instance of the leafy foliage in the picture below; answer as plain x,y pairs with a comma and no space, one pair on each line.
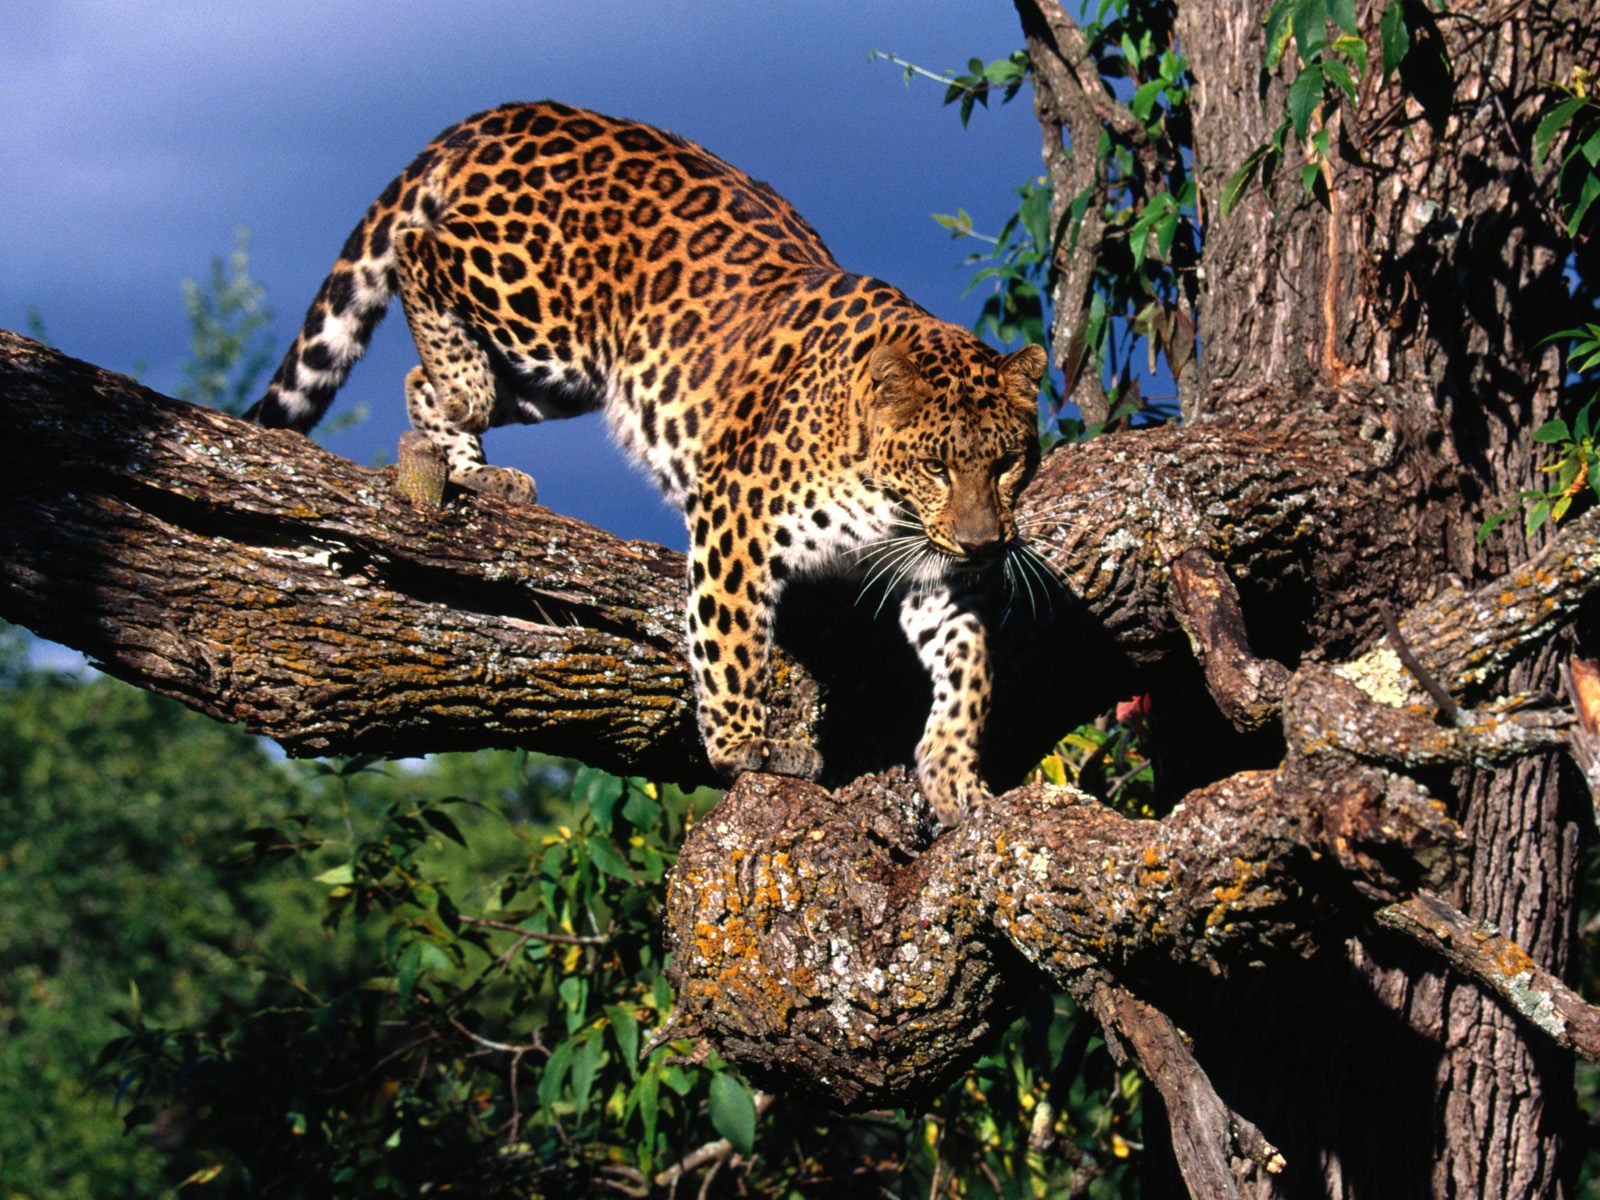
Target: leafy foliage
229,346
373,980
1143,288
1575,457
116,809
1575,117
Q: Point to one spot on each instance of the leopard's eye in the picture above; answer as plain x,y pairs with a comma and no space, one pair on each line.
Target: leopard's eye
1005,462
935,467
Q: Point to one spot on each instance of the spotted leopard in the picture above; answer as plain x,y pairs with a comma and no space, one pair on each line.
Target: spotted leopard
552,261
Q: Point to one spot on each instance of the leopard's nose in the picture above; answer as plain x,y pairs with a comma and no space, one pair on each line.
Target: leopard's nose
984,546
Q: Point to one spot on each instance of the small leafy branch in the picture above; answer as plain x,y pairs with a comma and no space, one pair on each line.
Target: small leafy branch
981,80
1576,467
1333,58
1578,179
1141,209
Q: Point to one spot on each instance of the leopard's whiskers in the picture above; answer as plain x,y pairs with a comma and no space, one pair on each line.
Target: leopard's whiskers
1030,562
912,568
890,564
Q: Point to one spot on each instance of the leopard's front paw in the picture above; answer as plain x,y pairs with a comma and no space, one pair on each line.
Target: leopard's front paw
780,756
951,791
506,482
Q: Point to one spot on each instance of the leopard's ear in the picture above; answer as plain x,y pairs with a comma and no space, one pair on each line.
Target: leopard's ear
897,386
1020,373
1022,370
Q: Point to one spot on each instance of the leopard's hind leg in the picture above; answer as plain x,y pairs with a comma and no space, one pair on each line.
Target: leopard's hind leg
450,397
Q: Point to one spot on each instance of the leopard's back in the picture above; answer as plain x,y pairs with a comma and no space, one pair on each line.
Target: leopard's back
602,263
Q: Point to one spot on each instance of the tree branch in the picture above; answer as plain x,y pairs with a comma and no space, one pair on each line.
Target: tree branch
259,579
1214,1145
1500,966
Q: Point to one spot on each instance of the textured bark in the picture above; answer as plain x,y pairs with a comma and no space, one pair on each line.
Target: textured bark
1434,271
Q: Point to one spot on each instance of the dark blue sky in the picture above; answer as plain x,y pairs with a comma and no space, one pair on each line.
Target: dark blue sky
137,136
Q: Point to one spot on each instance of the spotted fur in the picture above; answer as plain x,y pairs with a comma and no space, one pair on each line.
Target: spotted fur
552,261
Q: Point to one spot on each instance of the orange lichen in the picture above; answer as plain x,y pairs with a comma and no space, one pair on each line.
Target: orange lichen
1508,958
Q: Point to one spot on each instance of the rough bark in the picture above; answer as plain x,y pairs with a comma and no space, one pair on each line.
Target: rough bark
260,579
1434,269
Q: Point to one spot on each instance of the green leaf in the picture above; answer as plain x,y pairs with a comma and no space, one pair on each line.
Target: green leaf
1304,96
1166,231
1340,74
733,1112
1395,37
1145,98
335,876
1491,523
407,970
1355,49
1583,426
1553,431
1551,124
555,1074
357,764
1536,516
1343,13
604,856
585,1063
643,812
1591,148
1586,198
625,1028
1310,18
574,993
1239,182
1279,30
599,791
444,825
649,1093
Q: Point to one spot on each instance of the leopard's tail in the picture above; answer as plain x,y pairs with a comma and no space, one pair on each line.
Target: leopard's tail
340,321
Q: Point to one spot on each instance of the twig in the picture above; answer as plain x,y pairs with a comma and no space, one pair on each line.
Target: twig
1479,952
711,1152
1208,1137
1448,709
564,939
490,1044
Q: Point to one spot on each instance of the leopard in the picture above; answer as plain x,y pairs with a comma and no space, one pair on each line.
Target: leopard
807,420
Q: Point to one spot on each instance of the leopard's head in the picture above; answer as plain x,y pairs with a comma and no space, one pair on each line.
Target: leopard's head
954,437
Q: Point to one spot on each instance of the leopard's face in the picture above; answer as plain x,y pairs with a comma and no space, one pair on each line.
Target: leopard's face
955,443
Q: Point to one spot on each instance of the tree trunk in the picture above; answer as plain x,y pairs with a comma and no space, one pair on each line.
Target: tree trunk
1436,268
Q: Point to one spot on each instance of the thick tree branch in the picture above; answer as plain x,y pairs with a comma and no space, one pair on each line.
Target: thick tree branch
821,940
262,580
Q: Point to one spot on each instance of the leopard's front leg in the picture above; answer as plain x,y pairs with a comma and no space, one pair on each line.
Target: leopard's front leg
949,637
732,600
